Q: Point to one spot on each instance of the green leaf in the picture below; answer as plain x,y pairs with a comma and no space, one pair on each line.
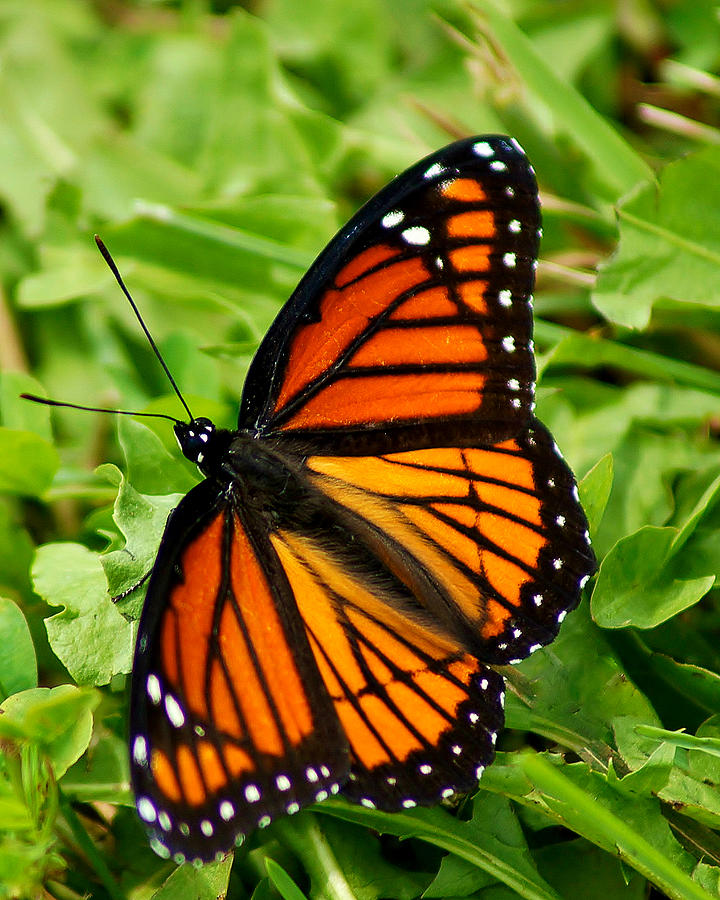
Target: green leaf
90,637
150,468
141,519
638,582
58,720
669,247
458,877
475,842
21,414
344,860
18,665
595,490
632,587
572,692
635,830
284,884
102,775
568,864
27,462
207,883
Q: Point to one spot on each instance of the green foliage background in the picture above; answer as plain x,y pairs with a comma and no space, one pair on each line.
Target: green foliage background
216,147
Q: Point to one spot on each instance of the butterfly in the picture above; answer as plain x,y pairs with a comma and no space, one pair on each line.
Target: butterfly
388,523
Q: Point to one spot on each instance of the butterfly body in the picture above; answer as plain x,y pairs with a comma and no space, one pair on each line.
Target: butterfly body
388,522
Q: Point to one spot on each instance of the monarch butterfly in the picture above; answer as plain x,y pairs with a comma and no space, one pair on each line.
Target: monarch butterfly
388,522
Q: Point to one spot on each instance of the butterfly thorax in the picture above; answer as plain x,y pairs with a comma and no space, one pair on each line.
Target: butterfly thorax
256,473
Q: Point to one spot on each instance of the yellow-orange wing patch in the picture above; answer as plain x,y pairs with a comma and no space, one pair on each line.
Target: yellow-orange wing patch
491,540
420,714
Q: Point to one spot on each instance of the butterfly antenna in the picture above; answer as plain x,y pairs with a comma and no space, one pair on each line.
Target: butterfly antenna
116,412
114,269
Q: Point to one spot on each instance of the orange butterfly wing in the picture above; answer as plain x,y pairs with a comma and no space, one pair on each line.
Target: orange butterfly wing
418,313
224,722
387,523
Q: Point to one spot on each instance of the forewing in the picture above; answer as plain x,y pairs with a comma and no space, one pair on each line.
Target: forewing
230,724
491,540
417,313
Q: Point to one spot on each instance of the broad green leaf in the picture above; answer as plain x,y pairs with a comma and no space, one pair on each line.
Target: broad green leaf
569,864
150,468
572,691
90,637
141,519
207,883
18,665
102,775
669,248
28,462
59,720
21,414
632,587
458,877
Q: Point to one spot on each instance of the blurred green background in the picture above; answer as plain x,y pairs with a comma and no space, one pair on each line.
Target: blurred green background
216,147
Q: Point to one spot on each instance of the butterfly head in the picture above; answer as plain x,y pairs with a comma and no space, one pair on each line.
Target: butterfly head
201,442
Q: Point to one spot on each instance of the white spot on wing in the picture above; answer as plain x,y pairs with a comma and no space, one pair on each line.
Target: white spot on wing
227,810
434,171
140,750
174,711
252,793
283,782
153,689
417,235
482,148
146,809
394,217
509,260
498,165
505,298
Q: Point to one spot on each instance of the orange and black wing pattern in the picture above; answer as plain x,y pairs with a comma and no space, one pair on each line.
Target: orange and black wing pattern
491,540
388,522
417,314
226,729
